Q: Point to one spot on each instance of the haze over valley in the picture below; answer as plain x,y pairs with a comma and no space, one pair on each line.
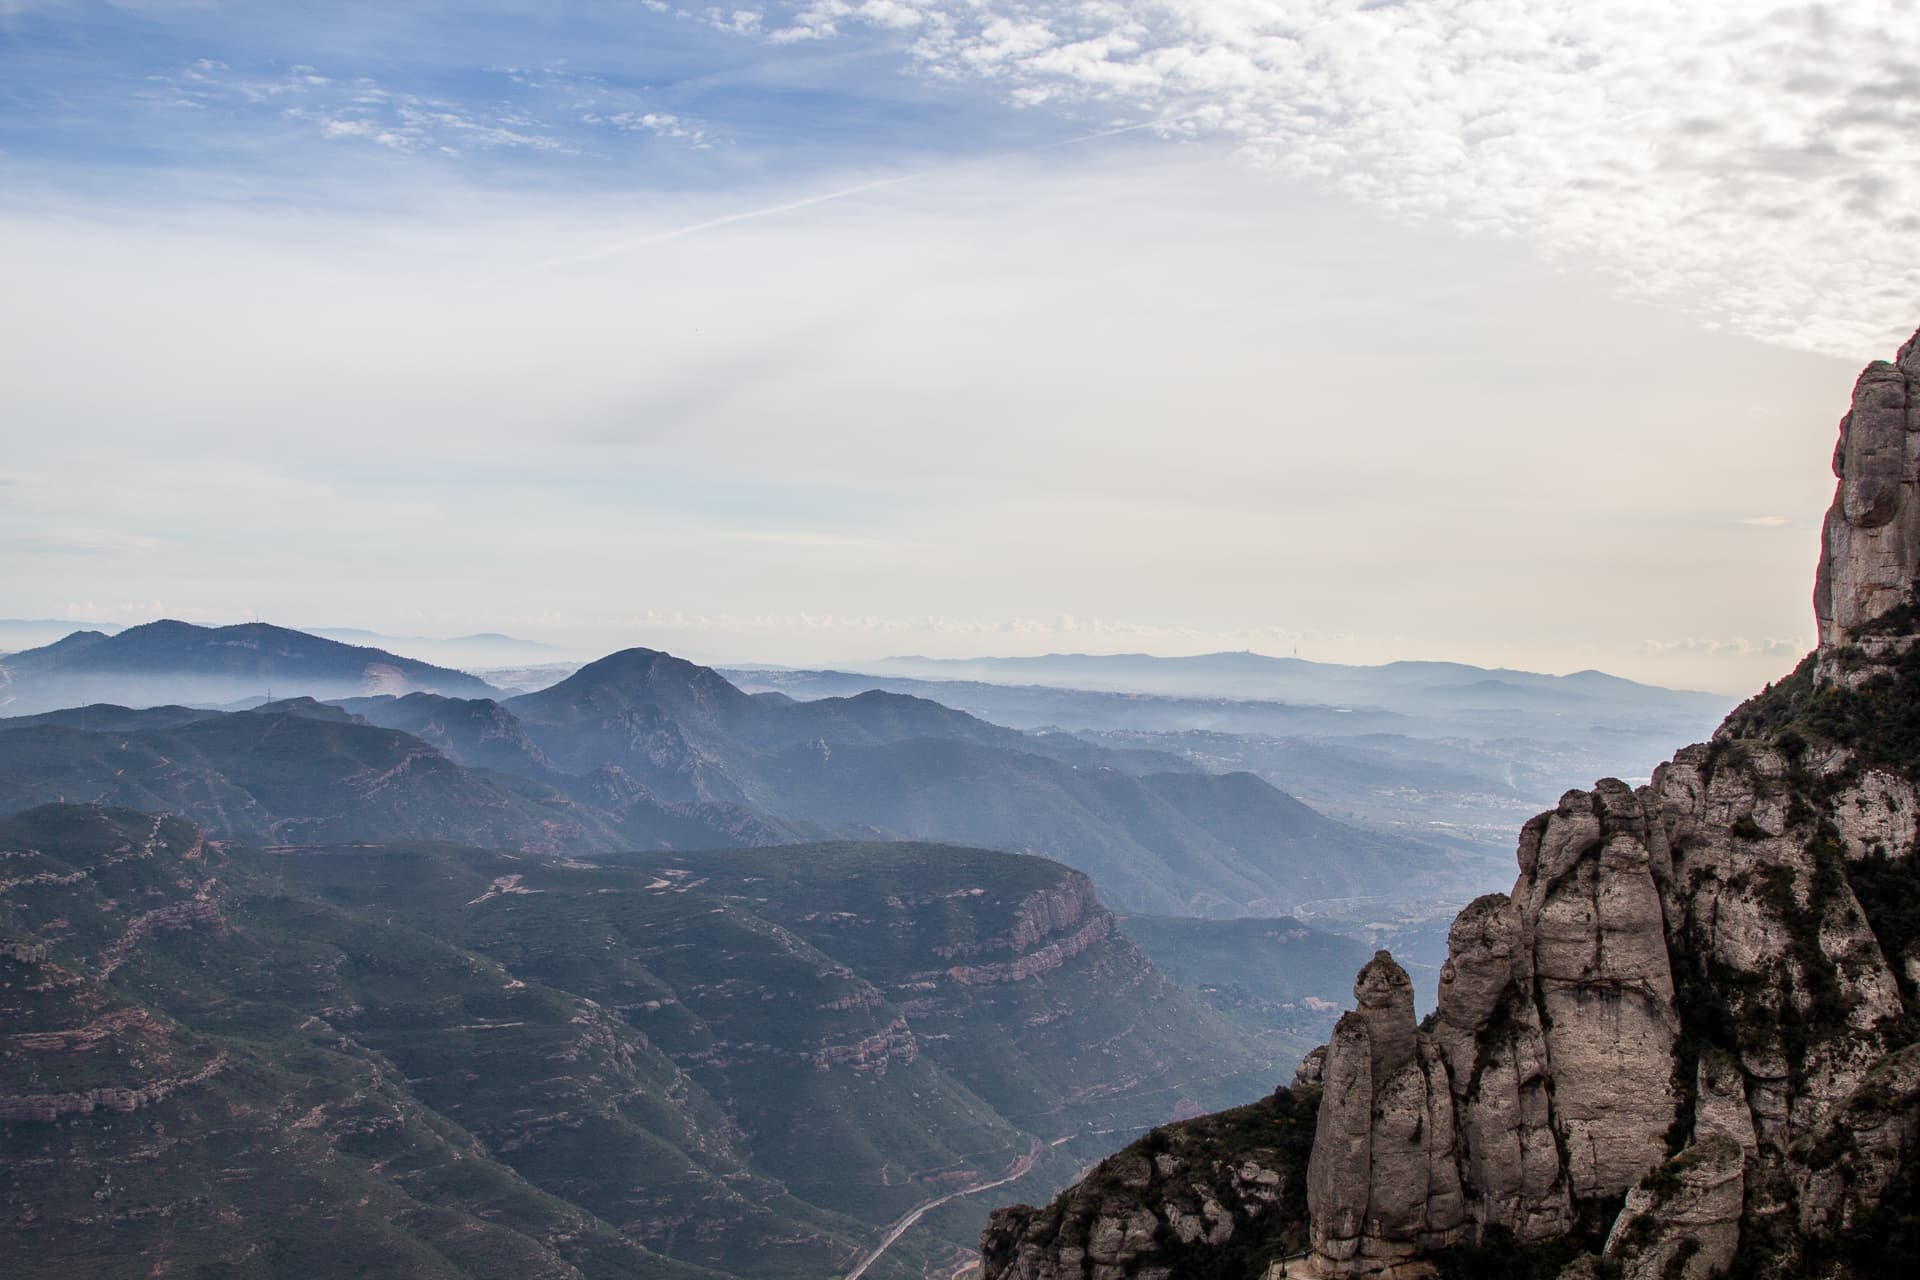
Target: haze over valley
890,639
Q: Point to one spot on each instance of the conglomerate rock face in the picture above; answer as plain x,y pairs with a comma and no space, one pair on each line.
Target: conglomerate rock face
1689,1038
1681,1016
1553,1073
1871,542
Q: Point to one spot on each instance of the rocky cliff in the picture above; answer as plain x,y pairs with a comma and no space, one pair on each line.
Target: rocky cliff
1685,1043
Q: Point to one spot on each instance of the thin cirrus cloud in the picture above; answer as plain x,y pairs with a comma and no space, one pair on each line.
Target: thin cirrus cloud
1757,165
81,542
541,109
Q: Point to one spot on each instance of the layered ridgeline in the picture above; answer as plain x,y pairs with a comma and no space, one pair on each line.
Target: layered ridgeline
431,1061
1684,1044
641,749
170,661
1461,754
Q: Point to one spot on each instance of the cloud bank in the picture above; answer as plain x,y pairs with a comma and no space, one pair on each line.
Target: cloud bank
1756,165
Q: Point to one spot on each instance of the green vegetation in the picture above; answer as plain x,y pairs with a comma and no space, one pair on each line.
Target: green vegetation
1889,893
429,1059
1185,1165
1499,1256
1879,719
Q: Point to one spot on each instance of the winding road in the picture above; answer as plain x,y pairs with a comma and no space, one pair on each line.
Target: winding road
1020,1169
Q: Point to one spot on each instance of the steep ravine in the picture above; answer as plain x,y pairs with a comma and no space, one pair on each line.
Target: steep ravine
1686,1044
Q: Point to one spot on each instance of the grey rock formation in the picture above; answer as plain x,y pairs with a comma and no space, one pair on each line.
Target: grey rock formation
1383,1184
1684,1224
1556,1044
1870,552
1861,1149
1496,1057
1558,1036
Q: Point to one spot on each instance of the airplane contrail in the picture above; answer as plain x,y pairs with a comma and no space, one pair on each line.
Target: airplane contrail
660,237
677,233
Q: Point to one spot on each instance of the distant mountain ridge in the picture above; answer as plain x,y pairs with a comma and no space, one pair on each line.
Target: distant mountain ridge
32,633
900,766
465,652
645,749
301,771
1389,759
179,662
1250,675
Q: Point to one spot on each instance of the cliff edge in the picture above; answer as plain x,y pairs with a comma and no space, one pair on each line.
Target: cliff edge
1687,1043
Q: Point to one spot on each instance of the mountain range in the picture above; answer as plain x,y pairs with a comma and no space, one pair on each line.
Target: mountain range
1452,755
641,749
1438,686
168,661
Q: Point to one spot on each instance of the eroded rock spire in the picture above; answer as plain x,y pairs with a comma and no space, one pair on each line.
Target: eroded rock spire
1870,543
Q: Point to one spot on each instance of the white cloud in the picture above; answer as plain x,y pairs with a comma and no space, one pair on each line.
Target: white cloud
821,18
663,124
1738,646
1755,164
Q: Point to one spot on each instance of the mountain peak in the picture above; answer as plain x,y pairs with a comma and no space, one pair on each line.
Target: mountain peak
170,661
641,677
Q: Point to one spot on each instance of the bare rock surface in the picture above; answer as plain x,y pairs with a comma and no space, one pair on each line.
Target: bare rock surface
1684,1225
1871,541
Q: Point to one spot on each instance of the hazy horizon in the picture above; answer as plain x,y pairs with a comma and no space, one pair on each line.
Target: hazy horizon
510,651
819,333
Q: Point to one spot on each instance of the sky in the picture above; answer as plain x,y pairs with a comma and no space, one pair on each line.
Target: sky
1484,330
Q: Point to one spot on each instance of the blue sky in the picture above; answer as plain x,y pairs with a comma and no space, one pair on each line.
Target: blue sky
280,100
819,331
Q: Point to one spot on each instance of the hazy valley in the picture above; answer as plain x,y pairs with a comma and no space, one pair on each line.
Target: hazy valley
408,889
